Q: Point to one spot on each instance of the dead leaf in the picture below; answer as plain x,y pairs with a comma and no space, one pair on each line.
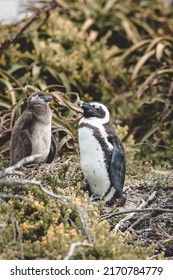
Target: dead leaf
159,51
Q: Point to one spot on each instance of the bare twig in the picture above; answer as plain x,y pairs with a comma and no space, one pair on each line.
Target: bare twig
8,42
15,226
13,220
127,218
19,181
141,218
12,182
147,203
139,209
37,13
141,206
83,223
11,169
142,231
150,199
154,210
9,196
74,246
164,233
11,172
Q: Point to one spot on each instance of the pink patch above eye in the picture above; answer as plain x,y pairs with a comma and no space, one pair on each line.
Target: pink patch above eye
97,106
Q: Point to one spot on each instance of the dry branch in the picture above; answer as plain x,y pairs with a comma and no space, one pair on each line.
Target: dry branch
15,196
139,209
11,169
83,223
153,210
74,246
37,13
8,42
12,182
19,181
16,230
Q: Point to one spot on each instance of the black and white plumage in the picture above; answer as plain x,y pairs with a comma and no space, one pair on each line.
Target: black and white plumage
31,133
102,156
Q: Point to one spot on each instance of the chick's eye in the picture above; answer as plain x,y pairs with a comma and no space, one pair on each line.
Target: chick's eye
41,95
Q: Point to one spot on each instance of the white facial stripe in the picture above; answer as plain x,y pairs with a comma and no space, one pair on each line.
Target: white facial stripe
97,106
97,123
94,120
35,97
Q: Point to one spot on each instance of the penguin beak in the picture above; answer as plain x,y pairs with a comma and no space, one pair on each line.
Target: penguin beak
84,105
79,104
88,110
47,98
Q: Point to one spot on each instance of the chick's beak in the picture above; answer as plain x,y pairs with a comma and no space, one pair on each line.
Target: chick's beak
47,98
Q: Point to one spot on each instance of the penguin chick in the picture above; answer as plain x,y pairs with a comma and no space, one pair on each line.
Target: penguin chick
102,156
32,131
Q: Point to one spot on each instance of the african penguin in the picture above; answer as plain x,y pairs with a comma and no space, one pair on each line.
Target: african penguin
102,156
31,133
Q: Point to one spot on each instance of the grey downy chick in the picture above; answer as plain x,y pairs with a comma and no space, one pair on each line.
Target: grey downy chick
31,133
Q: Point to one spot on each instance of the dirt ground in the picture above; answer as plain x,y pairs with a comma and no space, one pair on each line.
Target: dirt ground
152,219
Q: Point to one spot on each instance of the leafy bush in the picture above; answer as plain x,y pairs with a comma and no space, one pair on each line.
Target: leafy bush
118,53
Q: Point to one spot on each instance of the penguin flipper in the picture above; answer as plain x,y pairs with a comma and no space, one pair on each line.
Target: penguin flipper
52,151
21,144
117,166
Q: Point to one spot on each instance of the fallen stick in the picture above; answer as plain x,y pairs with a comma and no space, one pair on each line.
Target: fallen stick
138,209
74,246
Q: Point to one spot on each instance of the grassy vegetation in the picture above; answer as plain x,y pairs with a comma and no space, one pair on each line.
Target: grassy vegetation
117,53
46,227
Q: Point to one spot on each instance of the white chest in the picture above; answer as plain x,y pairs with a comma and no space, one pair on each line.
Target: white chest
41,140
93,161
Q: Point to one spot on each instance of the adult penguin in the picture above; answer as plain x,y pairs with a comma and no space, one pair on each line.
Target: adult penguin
102,156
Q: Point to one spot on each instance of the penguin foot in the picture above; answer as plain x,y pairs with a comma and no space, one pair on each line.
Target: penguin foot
117,200
123,200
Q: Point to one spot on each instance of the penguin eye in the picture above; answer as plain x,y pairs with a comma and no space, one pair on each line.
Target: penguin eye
41,95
